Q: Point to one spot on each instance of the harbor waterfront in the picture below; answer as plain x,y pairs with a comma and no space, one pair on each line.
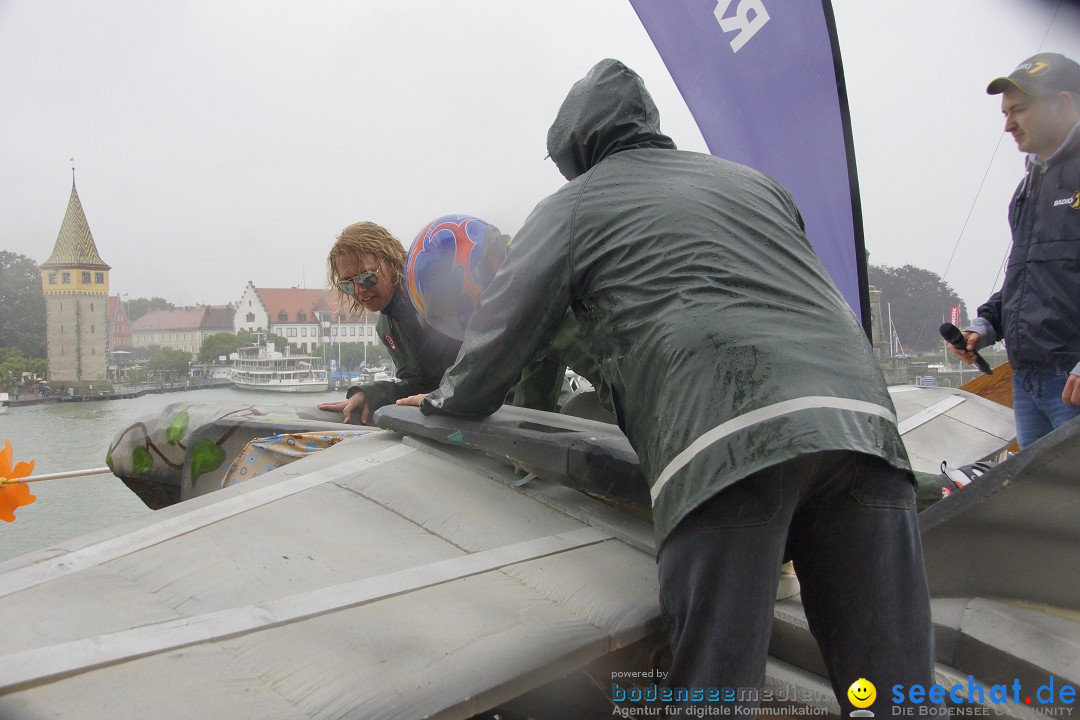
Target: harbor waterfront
65,436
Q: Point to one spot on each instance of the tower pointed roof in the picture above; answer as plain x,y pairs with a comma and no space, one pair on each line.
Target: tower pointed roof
75,245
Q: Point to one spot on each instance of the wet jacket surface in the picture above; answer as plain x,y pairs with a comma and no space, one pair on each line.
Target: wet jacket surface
1037,311
726,346
420,353
541,382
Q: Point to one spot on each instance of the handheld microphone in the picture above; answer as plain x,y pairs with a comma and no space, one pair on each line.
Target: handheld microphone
954,337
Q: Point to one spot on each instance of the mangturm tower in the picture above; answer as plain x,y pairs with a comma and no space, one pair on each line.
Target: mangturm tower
75,281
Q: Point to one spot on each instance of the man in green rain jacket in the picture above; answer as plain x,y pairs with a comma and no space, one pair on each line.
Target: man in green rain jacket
740,377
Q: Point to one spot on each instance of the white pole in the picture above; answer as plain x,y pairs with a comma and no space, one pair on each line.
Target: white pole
892,333
70,473
944,349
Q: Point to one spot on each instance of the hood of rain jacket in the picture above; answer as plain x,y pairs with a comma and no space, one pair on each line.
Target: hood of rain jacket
607,111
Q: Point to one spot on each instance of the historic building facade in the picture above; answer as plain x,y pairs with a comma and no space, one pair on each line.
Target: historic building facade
75,281
181,328
119,325
311,319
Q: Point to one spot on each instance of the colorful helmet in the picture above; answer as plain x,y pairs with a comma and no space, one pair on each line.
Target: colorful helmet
451,262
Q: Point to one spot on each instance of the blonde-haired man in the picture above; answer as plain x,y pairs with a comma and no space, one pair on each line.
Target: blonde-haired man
366,265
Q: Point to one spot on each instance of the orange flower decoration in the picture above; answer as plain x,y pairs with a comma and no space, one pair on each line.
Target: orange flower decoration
13,494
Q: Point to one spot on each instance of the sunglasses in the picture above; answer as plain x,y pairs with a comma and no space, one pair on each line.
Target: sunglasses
367,279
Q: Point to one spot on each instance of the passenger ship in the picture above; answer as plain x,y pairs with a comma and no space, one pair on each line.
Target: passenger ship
263,368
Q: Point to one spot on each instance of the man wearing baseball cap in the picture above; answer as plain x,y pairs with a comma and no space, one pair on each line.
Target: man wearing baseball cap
1037,310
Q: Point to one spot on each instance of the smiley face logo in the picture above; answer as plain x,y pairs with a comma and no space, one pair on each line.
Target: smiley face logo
862,693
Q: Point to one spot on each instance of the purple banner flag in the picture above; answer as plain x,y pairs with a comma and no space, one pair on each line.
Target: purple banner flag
764,82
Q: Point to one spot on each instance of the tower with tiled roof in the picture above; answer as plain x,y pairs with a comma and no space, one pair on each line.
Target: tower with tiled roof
75,281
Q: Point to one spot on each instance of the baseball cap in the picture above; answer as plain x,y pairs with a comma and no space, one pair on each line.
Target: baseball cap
1042,74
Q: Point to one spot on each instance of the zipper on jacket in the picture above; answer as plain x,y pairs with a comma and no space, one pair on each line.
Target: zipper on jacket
1027,188
1028,200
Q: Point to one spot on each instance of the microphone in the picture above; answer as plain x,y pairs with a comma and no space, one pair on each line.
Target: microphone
954,337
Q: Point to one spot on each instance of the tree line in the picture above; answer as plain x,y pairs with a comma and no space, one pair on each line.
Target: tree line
918,299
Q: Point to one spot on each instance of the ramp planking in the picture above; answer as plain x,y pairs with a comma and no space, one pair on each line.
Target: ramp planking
397,581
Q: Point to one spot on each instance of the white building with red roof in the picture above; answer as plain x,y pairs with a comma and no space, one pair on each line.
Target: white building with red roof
309,318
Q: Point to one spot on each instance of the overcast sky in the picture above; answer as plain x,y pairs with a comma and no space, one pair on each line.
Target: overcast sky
221,141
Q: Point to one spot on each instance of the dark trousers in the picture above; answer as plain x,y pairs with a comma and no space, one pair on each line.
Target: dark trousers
848,521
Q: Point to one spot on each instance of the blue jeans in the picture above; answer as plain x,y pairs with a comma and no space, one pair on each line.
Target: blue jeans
1037,404
848,522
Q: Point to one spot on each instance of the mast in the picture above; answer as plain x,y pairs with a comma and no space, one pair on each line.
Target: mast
895,348
892,334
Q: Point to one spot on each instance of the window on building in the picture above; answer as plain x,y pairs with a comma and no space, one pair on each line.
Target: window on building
86,278
333,332
303,331
99,278
52,278
65,278
290,332
251,317
283,316
61,329
91,329
341,317
61,306
91,307
352,331
301,316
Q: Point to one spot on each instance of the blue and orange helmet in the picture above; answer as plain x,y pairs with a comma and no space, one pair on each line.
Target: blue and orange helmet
450,264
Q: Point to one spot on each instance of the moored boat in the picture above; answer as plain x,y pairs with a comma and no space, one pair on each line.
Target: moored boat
263,368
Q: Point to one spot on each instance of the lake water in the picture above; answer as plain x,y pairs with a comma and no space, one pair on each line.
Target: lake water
60,437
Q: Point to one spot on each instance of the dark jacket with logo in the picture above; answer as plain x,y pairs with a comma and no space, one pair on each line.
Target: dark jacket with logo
1037,310
420,353
727,347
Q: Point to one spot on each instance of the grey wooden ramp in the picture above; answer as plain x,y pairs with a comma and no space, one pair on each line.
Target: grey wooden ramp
950,424
1003,642
375,579
1015,531
390,577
